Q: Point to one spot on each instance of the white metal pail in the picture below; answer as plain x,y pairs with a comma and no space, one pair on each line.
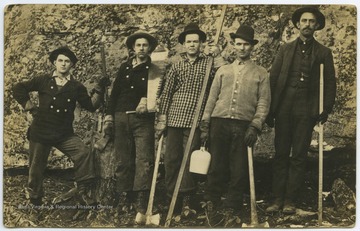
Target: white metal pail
200,161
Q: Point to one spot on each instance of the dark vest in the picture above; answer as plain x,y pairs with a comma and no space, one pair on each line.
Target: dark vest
299,73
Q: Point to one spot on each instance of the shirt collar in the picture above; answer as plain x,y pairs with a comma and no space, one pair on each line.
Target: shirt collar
133,63
68,77
185,57
306,42
240,62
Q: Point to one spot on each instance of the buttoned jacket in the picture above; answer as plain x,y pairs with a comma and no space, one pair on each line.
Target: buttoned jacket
131,84
279,76
54,119
240,92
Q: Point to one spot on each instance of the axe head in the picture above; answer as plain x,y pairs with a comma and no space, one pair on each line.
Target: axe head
256,225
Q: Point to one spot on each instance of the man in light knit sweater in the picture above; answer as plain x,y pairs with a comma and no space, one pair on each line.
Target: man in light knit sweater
236,109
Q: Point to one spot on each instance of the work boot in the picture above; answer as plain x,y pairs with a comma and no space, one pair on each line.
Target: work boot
86,194
275,206
289,207
85,199
213,216
186,210
125,201
141,202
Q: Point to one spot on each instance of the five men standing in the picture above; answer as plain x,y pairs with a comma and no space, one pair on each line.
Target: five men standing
238,104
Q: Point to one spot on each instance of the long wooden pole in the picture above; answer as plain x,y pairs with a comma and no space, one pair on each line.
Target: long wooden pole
220,25
103,69
254,216
321,139
153,184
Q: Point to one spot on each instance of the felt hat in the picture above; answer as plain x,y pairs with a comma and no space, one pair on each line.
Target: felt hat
62,51
192,28
319,16
245,32
132,38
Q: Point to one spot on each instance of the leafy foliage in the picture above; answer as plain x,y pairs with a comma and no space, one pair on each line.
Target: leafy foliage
32,31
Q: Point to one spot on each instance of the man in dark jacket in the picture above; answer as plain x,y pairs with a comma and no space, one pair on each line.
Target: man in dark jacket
131,113
295,83
53,119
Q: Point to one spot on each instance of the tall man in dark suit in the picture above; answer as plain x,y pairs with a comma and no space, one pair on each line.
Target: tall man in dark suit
295,83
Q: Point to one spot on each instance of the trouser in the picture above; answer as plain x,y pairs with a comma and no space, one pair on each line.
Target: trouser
229,162
293,131
134,149
72,147
176,141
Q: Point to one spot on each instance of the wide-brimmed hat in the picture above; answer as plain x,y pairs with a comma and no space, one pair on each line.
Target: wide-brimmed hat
63,51
132,38
245,32
319,16
192,28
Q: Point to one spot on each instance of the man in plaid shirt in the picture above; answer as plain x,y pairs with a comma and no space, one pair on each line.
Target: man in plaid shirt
178,101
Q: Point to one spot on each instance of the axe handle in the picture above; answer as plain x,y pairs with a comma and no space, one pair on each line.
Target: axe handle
254,217
153,183
321,139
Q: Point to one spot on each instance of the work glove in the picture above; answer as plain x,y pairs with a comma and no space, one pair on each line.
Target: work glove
101,85
160,126
100,89
323,117
108,125
250,136
270,121
104,82
142,106
204,128
30,107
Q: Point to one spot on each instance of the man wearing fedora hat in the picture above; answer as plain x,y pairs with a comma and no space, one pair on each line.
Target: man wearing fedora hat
52,124
235,112
295,83
178,101
131,119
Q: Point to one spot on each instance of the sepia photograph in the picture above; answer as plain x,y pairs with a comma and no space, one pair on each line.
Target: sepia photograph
187,116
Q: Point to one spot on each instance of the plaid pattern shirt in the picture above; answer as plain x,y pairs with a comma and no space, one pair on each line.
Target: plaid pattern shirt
183,84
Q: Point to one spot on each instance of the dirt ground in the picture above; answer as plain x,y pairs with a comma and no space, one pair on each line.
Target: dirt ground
17,213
